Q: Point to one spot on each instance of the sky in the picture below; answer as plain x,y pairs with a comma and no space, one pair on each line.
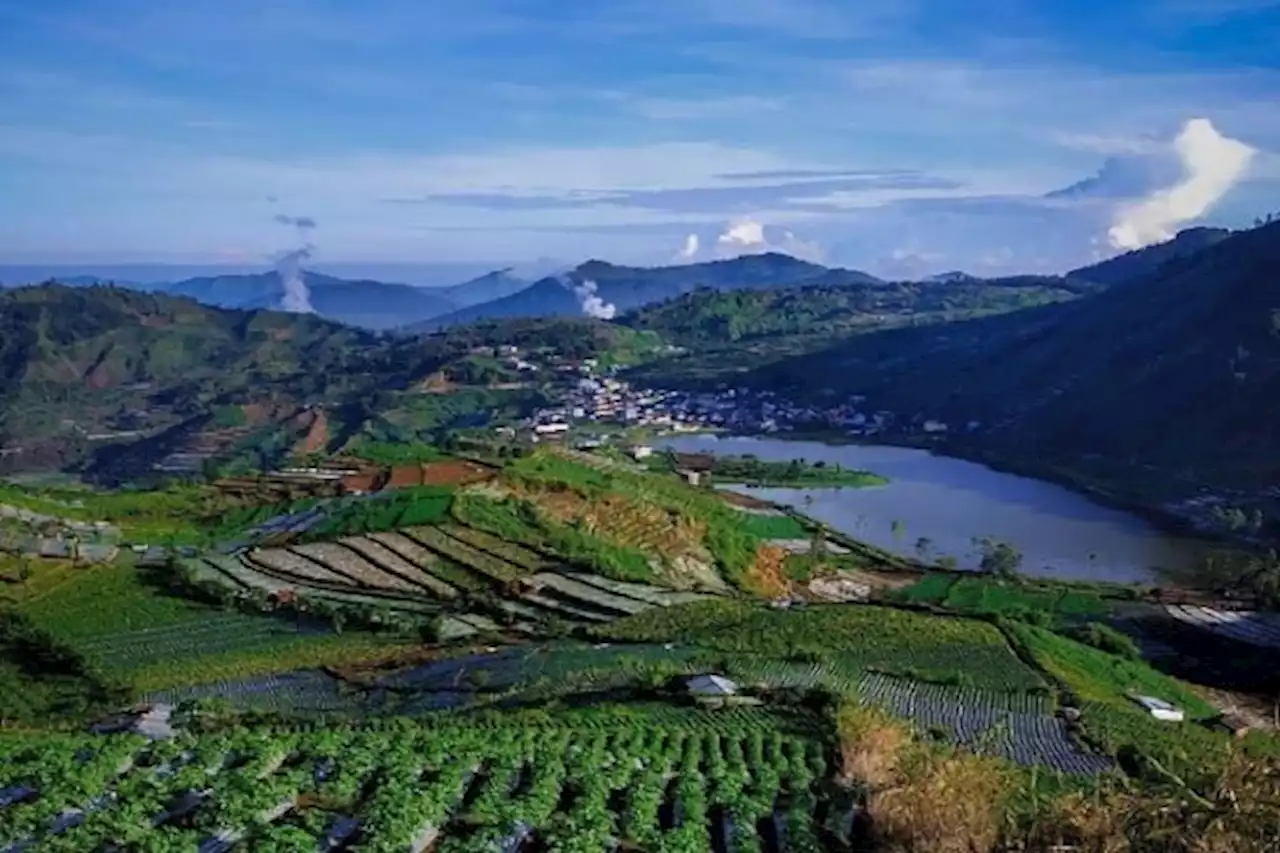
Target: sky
903,137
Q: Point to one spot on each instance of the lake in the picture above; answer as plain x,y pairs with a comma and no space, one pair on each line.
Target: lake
948,501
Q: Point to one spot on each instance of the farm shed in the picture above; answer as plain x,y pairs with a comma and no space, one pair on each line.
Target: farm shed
1160,709
714,686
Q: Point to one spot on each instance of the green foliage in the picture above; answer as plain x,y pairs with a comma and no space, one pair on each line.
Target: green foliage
1022,598
519,521
171,514
225,417
397,453
883,639
142,630
405,779
401,508
1093,675
796,473
731,542
43,680
999,559
1109,640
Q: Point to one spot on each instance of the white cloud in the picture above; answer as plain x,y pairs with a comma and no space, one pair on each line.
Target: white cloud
1212,165
744,235
749,236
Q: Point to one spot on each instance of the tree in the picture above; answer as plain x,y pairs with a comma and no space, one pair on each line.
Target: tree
24,570
999,559
924,546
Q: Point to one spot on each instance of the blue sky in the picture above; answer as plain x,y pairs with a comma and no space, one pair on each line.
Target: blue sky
895,135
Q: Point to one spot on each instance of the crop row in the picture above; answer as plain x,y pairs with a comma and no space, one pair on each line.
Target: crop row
437,540
464,787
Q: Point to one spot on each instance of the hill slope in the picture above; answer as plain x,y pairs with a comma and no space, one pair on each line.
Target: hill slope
1179,370
1141,262
498,284
94,372
366,303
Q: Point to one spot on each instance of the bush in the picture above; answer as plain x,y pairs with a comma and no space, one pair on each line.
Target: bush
1108,639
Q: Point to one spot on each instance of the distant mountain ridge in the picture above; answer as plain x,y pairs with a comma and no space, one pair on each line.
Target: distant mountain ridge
366,303
626,288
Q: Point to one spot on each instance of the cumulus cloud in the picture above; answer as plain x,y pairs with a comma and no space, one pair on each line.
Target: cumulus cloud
1211,165
747,236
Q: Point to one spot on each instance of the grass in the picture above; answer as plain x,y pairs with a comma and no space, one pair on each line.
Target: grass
881,639
773,526
1093,675
108,600
159,516
46,576
42,680
401,508
300,652
986,595
134,632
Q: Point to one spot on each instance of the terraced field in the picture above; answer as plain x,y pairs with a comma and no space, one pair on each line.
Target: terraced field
661,779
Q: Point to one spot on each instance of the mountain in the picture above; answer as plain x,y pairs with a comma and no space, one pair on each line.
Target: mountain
832,308
954,275
498,284
106,381
626,288
1140,262
365,303
1178,371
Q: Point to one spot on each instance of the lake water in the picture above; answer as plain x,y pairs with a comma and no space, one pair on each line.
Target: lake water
949,502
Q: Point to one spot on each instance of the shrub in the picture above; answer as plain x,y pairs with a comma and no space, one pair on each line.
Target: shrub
1108,639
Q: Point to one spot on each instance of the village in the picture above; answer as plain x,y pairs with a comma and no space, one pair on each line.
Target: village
600,397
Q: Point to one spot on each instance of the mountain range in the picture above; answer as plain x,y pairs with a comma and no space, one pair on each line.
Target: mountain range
596,287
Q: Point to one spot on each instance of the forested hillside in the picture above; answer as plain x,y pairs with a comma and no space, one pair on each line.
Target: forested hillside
1179,370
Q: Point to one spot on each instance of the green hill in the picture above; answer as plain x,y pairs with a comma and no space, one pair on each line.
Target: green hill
91,373
1177,372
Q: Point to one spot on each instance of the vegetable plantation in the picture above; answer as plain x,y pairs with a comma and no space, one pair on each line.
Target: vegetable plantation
881,639
584,780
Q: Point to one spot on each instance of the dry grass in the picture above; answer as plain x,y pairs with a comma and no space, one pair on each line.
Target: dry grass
942,804
871,744
920,798
635,524
767,575
1239,813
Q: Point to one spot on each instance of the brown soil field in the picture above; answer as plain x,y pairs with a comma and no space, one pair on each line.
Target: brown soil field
456,472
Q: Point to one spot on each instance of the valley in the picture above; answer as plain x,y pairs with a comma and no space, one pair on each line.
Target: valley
712,575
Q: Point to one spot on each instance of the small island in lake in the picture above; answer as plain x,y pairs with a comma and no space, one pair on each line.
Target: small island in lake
749,470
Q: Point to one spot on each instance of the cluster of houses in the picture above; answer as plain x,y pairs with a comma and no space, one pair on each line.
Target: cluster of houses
31,534
610,400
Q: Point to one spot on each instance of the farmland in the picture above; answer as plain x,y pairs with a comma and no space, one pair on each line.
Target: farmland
505,662
875,638
662,778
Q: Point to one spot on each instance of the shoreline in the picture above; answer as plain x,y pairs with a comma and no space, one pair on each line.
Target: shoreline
1152,513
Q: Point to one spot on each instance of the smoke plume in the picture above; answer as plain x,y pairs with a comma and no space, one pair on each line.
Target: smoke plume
690,249
592,304
297,297
1211,165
